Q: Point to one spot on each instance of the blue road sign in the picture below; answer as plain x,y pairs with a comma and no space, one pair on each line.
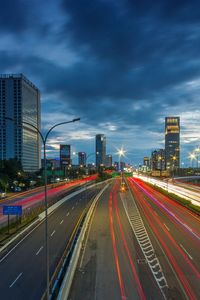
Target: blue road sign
12,210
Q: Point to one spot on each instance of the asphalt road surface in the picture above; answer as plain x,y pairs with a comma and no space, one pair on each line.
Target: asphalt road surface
112,265
176,230
23,270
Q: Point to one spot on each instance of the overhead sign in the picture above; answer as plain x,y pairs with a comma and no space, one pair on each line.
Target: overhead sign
12,210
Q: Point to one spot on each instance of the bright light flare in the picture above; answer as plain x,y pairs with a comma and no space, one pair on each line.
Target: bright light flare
121,152
192,156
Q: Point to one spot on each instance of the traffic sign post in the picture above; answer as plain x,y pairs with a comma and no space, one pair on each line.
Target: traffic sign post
15,210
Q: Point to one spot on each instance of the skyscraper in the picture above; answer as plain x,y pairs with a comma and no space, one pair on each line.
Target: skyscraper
20,100
100,149
108,161
158,160
81,158
172,142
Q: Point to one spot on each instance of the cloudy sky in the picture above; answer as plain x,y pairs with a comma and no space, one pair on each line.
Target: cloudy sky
119,65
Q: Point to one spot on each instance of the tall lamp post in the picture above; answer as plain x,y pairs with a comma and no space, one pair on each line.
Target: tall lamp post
192,157
121,152
173,166
197,151
44,141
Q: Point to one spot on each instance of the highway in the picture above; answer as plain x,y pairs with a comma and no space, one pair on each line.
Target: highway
112,265
140,245
34,198
22,269
177,231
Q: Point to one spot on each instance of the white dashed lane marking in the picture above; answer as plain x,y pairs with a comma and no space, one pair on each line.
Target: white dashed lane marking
53,233
15,280
39,250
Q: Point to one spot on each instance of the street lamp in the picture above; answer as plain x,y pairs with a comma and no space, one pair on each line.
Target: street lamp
121,152
44,141
192,156
197,151
173,166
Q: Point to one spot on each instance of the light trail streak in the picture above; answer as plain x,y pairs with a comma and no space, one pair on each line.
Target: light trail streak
176,267
121,284
171,214
193,196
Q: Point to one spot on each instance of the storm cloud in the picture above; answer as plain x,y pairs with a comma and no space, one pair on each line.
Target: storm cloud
122,66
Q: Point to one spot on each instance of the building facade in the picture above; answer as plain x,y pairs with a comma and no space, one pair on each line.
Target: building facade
100,150
20,101
108,161
146,161
172,142
82,159
158,160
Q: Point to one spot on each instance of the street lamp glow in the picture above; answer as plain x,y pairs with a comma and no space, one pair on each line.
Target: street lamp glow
192,156
121,152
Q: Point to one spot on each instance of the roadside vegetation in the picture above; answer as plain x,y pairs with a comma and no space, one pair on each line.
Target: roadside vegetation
103,176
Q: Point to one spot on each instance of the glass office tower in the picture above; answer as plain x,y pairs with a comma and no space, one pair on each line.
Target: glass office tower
82,158
172,142
20,100
100,150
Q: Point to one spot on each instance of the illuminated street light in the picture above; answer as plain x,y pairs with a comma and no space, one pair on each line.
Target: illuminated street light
197,151
121,152
192,157
44,141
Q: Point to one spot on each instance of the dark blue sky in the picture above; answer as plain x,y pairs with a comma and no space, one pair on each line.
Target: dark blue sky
122,66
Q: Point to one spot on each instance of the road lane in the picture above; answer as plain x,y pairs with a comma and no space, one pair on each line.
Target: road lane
112,265
28,258
186,226
174,239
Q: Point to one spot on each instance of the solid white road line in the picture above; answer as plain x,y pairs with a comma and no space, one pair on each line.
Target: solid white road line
15,280
39,250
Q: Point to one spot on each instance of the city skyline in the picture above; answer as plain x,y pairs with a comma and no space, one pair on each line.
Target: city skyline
112,67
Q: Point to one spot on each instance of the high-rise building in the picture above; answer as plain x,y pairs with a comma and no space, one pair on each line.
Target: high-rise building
172,142
20,101
65,156
108,161
146,161
158,160
81,158
100,149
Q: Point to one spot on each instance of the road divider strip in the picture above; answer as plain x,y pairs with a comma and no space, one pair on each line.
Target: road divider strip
144,241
